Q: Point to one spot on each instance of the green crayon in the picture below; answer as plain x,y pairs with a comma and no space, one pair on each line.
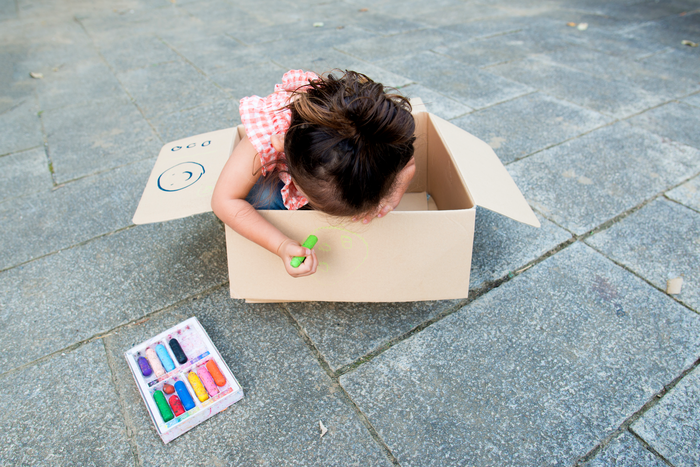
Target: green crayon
163,406
309,243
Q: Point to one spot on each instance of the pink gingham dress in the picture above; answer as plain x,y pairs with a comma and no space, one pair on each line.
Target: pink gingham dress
263,117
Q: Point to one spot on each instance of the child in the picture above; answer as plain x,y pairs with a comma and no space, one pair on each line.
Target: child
338,145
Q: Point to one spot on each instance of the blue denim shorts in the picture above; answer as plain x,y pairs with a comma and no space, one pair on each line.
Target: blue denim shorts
261,198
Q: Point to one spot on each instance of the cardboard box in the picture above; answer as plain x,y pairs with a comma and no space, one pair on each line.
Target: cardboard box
415,253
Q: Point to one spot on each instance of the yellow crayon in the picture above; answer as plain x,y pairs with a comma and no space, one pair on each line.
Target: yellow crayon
198,387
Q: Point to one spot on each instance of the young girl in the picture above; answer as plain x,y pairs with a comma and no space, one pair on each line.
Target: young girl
338,145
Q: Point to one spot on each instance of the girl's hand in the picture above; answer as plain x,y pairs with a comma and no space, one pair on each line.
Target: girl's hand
289,249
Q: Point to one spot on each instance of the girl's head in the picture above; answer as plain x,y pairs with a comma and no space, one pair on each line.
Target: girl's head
347,141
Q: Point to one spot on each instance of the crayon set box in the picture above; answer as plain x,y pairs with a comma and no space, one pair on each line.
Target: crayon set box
182,378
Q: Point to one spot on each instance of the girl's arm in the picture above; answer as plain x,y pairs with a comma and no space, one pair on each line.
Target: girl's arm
237,178
403,179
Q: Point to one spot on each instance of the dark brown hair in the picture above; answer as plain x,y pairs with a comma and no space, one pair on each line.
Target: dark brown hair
347,141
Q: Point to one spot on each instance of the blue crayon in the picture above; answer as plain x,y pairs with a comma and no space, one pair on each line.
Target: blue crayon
164,358
184,395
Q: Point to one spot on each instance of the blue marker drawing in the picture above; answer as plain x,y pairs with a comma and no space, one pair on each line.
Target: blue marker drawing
180,176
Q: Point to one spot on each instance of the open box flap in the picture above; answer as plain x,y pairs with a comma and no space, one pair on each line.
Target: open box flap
483,173
184,176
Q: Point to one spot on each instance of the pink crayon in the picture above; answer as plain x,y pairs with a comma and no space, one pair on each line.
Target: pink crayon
152,358
207,380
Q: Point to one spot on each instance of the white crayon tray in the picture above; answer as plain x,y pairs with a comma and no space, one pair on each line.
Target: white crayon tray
200,352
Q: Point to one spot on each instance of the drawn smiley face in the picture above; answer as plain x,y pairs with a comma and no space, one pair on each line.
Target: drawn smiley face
180,176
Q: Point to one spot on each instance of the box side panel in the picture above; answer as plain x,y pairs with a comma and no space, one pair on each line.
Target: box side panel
183,178
445,185
420,154
407,256
487,179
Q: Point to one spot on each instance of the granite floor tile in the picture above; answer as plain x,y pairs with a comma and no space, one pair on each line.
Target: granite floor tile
673,120
489,27
217,54
526,375
140,20
670,426
685,59
286,395
22,128
46,423
614,43
671,30
662,82
688,193
78,83
460,13
528,124
217,116
253,80
435,102
88,139
398,45
326,60
658,243
169,87
502,245
150,51
693,100
23,173
485,52
608,96
220,16
345,332
582,183
625,451
64,298
466,84
51,220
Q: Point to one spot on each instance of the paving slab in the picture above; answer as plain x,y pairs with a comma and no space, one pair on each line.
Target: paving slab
220,16
674,120
22,128
252,80
78,83
671,427
286,395
45,422
435,102
216,54
138,19
608,96
466,84
658,243
503,246
49,220
80,144
585,182
74,294
137,52
671,30
454,14
688,193
530,123
685,59
527,375
23,173
318,38
345,332
662,82
169,87
625,451
693,100
485,52
399,45
212,117
321,61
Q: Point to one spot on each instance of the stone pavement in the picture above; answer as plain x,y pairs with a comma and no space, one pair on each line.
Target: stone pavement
568,351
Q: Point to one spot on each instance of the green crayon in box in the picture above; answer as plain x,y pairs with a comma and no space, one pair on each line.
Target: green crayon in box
309,243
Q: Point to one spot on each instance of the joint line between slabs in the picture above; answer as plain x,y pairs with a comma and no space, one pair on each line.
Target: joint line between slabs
335,379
